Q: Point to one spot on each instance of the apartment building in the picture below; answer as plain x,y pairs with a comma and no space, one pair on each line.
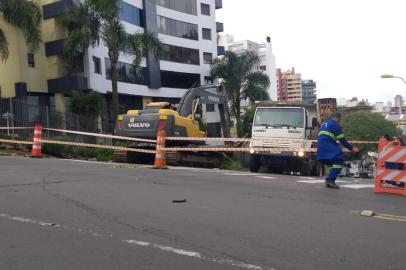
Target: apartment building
309,90
265,52
289,85
188,29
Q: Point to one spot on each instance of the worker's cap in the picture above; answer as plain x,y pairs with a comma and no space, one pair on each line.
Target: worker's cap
335,115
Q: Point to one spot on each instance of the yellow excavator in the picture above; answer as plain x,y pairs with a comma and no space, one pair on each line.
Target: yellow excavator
202,112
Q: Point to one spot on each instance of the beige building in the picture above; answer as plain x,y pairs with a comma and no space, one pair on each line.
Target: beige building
289,85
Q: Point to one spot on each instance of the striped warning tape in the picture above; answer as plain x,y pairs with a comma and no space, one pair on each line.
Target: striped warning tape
119,148
253,139
15,128
237,149
15,141
101,135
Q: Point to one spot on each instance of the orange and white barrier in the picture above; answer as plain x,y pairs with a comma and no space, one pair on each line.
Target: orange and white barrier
160,159
391,170
36,143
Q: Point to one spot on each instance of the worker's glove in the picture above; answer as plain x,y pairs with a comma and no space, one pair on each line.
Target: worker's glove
355,150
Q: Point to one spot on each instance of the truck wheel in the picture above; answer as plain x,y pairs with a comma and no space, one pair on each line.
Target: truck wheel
255,163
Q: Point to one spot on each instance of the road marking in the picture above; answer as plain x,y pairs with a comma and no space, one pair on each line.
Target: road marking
382,216
265,177
138,243
240,174
358,186
311,181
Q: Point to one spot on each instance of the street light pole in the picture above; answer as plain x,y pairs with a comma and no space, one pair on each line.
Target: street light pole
388,76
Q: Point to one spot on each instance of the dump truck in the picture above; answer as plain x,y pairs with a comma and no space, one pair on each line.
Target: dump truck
202,112
288,123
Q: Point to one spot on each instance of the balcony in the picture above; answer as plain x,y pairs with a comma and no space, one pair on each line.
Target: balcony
221,50
219,27
67,84
57,8
54,47
219,4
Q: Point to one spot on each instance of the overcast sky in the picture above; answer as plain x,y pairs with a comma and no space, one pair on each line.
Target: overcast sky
344,45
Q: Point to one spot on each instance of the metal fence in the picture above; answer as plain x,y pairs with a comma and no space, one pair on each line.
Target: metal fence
18,113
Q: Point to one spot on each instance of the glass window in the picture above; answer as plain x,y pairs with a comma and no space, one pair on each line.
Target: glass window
127,73
279,117
177,28
31,60
179,80
206,33
205,9
185,6
131,14
262,68
180,55
97,65
207,58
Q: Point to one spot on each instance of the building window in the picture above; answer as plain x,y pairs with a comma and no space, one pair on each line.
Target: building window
207,58
31,60
180,55
185,6
208,80
97,65
177,28
179,80
127,73
206,33
262,68
205,9
131,14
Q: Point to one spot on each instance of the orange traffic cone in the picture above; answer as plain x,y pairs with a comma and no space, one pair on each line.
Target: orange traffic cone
36,145
160,160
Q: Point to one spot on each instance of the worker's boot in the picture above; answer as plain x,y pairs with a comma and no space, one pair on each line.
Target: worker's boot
332,185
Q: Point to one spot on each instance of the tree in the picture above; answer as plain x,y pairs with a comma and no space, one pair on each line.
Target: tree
25,15
247,120
242,80
93,21
367,126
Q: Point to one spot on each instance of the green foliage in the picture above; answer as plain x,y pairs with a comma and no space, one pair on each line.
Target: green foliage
104,155
86,104
68,151
242,80
233,165
25,15
247,120
367,126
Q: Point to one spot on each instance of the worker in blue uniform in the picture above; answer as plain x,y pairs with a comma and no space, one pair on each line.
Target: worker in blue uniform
328,149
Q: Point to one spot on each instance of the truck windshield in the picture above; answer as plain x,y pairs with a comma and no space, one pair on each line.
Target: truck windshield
280,117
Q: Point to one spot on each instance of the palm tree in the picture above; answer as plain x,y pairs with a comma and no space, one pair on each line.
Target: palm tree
24,15
241,79
93,21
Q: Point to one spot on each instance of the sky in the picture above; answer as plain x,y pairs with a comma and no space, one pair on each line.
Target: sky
344,45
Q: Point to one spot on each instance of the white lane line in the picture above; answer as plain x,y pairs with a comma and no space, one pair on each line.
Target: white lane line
138,243
240,174
196,255
311,181
265,177
358,186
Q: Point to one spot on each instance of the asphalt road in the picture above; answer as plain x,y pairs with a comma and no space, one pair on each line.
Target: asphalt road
59,214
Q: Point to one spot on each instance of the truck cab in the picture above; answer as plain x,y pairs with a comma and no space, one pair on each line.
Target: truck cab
290,125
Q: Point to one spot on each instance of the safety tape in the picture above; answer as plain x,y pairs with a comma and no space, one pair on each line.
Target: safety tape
119,148
15,141
239,149
253,139
101,135
15,128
